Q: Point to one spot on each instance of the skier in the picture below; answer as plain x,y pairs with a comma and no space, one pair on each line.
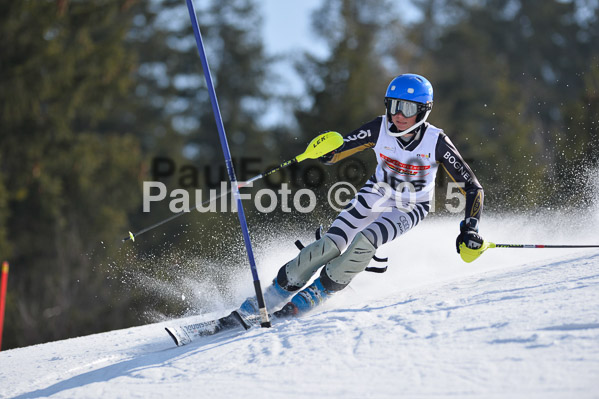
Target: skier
392,202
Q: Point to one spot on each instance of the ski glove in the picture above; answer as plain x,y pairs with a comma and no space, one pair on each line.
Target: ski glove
469,234
326,158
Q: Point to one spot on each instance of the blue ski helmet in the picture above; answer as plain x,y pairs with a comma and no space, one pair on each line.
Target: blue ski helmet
411,95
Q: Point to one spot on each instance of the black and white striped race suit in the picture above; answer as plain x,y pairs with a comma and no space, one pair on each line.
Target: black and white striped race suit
398,195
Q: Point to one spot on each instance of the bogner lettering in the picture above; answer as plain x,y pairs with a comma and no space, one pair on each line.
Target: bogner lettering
458,166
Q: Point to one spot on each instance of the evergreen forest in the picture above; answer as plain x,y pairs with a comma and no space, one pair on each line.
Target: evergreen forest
97,97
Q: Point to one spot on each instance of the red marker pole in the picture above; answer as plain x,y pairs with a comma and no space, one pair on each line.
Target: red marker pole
3,297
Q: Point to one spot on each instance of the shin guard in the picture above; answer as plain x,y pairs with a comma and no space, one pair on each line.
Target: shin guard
297,272
339,272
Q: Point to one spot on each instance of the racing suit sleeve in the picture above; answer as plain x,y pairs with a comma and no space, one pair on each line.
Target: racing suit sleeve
461,173
358,140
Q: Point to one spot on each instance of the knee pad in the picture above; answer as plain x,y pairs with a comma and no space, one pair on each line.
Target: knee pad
297,272
339,272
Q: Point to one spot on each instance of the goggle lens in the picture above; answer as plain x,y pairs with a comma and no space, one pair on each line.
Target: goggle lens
407,108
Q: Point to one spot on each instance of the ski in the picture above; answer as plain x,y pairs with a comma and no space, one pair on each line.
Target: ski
185,334
241,319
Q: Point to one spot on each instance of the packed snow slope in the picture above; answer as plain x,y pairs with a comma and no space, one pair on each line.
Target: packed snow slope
517,323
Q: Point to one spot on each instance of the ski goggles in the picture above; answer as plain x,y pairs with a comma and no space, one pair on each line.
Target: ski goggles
407,108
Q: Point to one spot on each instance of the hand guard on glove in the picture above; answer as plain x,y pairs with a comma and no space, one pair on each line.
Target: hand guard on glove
326,158
469,235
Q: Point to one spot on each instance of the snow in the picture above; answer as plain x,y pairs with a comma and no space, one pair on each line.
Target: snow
517,323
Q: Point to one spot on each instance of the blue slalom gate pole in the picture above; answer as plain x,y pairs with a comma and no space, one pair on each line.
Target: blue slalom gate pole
264,322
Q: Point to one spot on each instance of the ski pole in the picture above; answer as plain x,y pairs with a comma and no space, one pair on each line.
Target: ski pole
319,146
492,245
468,255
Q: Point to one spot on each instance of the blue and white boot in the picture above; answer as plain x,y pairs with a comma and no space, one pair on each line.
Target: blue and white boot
305,300
274,297
291,278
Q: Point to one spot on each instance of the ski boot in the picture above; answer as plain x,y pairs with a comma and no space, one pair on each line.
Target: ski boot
308,298
291,277
249,312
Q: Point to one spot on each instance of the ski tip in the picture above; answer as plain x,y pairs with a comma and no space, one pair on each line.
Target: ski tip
173,335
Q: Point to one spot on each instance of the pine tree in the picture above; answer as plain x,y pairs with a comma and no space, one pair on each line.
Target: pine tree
347,87
69,183
504,72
